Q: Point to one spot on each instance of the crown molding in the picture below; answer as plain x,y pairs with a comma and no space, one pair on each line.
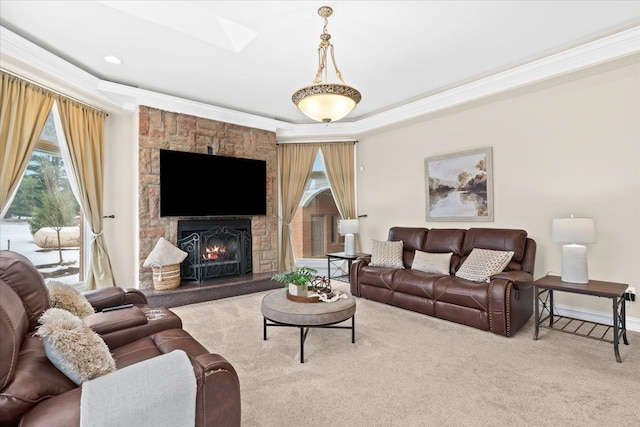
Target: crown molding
136,97
31,61
596,52
25,59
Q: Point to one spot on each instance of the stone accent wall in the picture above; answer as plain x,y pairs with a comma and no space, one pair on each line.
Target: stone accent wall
160,129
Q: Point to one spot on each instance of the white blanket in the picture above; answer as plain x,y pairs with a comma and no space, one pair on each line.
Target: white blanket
158,392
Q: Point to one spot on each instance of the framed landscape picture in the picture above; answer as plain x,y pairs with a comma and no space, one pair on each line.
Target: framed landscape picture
459,186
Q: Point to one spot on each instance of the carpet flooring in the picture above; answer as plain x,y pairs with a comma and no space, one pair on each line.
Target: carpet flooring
408,369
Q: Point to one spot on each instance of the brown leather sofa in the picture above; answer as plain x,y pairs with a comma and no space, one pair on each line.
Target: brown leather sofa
501,306
33,392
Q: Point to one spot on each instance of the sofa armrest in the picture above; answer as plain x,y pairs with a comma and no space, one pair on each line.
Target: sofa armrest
218,392
354,274
134,296
110,297
519,278
511,301
104,323
121,327
212,362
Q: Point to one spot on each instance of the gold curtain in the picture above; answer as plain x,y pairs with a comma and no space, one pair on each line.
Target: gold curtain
24,109
83,129
338,162
296,163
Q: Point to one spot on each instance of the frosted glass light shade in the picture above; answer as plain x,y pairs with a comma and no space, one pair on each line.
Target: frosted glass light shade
326,102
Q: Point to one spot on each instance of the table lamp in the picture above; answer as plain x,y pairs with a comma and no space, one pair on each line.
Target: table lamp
574,231
349,227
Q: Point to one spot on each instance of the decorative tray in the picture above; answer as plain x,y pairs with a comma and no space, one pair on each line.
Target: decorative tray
302,299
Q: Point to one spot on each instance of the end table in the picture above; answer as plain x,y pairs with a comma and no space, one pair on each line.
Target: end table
335,257
543,293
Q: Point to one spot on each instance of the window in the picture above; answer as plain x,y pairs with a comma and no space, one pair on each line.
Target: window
44,221
315,224
335,236
318,233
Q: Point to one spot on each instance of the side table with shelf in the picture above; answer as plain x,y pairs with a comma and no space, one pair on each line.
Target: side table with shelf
340,257
543,293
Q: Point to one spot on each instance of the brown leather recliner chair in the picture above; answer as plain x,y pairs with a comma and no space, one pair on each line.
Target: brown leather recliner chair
33,392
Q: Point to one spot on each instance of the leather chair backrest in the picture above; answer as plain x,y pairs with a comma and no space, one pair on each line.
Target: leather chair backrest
13,327
496,239
444,240
24,278
413,239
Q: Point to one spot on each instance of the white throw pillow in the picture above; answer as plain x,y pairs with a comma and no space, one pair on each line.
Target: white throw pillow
386,254
481,264
429,262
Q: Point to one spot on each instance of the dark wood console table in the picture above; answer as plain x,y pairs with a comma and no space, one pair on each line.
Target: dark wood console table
543,290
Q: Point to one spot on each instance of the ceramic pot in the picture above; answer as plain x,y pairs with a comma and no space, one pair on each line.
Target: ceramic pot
298,291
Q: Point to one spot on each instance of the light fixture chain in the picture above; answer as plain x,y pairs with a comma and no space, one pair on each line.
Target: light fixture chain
335,66
321,75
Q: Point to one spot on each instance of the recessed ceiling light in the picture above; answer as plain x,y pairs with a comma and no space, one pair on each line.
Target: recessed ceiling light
112,59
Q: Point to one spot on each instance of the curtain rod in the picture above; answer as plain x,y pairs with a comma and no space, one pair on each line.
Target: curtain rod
13,73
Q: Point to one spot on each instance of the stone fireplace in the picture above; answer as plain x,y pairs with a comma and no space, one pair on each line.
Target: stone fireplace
215,248
258,239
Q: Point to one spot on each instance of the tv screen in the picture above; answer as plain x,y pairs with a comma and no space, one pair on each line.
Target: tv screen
193,184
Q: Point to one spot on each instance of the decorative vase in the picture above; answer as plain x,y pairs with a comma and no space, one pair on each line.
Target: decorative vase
299,291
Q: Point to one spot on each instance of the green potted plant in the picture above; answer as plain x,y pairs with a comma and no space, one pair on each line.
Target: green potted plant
297,280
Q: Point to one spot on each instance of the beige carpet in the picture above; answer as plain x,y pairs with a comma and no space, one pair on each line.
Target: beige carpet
407,369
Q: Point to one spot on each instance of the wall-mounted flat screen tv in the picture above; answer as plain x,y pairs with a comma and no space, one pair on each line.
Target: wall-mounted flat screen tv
193,184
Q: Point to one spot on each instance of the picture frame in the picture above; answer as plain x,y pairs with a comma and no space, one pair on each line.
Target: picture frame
459,186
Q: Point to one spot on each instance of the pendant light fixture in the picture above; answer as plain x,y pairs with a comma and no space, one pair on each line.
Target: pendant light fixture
324,101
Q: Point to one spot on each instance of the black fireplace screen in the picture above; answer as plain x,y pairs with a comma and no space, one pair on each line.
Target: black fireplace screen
224,249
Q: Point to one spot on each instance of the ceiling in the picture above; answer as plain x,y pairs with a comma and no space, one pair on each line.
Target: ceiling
250,56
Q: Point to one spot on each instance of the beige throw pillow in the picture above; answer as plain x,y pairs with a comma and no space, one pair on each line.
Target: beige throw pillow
386,254
432,262
74,348
68,298
481,264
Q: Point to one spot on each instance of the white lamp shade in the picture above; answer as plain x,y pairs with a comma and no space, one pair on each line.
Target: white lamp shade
573,230
349,226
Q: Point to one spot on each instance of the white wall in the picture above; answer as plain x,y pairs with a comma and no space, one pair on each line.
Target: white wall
569,145
121,196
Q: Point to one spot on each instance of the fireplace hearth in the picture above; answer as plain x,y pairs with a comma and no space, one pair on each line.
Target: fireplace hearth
215,248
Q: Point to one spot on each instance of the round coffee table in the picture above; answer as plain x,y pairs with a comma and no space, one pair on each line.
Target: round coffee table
277,310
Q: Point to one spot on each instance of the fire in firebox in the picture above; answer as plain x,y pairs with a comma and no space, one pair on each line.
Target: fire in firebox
214,253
